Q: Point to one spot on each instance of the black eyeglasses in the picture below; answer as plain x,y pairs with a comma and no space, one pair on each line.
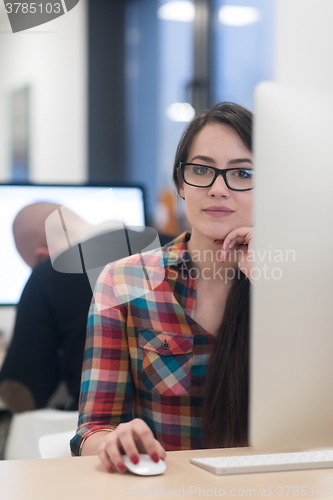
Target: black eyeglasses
236,179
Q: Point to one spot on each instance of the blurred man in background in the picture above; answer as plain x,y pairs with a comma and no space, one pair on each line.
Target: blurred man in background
43,363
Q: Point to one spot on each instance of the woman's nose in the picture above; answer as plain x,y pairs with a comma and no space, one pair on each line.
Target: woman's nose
219,188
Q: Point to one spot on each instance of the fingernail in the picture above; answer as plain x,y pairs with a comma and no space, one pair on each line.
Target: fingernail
110,469
121,467
155,457
134,459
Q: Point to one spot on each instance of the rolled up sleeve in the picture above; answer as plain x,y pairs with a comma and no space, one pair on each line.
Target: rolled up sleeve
106,397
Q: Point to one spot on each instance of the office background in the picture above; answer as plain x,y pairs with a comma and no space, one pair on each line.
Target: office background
101,84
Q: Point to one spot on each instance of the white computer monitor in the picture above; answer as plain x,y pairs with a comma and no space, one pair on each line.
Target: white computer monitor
125,203
291,374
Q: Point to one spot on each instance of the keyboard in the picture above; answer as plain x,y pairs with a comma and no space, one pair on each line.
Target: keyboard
266,463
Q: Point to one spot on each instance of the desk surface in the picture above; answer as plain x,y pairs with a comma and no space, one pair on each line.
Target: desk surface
83,478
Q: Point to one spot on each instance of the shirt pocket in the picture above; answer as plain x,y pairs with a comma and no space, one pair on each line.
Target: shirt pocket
166,362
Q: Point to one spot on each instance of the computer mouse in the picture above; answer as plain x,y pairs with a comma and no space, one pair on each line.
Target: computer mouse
146,466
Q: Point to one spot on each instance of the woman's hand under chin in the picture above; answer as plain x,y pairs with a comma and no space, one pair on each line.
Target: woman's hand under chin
241,240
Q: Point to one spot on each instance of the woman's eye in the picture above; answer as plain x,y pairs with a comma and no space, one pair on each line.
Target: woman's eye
201,170
244,174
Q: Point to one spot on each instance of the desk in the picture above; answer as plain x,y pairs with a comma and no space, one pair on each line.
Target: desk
83,478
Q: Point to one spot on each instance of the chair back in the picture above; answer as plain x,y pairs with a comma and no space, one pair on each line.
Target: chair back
26,428
55,445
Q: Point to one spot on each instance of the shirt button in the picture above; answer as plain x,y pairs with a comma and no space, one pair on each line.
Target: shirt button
165,345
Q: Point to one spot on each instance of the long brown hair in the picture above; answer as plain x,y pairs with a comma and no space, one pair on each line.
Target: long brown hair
225,411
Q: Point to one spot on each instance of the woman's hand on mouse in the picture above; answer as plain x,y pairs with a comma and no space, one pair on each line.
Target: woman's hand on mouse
241,240
131,438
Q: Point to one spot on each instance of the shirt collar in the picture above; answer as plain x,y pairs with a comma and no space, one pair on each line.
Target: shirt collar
176,252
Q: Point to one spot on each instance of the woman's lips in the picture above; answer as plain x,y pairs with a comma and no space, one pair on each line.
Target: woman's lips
216,211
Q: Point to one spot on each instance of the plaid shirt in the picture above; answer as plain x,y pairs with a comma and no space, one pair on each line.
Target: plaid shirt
145,355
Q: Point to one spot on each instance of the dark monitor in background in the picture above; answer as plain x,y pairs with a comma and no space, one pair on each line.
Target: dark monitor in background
95,204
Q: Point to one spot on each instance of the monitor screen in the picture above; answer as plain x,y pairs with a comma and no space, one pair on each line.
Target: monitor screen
95,204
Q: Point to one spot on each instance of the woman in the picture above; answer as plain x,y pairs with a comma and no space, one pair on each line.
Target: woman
144,371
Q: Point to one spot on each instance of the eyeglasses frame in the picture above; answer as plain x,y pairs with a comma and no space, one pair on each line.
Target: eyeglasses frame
217,171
